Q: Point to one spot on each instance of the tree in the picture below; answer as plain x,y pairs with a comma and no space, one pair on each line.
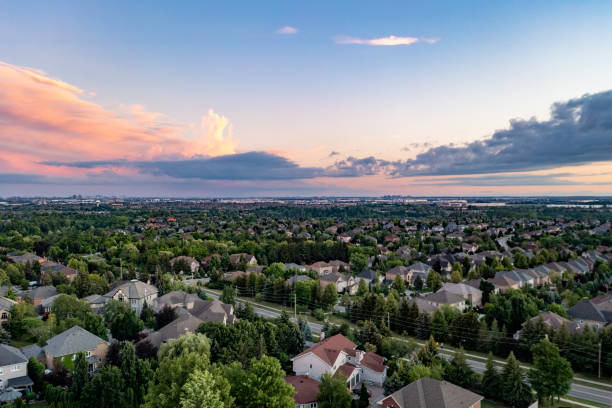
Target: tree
491,381
456,276
178,358
428,353
434,281
459,372
439,326
364,397
36,372
418,283
330,295
515,391
200,392
228,296
262,385
104,390
124,324
552,374
80,375
399,284
164,316
362,288
333,392
147,315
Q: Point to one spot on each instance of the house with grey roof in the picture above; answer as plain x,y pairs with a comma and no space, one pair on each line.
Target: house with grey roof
66,345
133,292
429,393
440,298
184,324
6,305
13,368
41,293
96,303
469,293
587,312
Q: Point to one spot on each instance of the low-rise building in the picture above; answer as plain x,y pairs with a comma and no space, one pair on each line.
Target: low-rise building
133,292
13,368
306,390
429,393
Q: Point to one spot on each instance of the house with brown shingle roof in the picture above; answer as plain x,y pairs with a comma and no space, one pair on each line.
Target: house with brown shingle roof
306,390
337,354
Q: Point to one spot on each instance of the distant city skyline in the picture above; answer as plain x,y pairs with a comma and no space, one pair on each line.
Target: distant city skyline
245,99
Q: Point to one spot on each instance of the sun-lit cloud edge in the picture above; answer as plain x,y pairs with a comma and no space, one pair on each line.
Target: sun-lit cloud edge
287,30
388,41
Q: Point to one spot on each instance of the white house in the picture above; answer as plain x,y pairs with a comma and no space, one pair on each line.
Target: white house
339,354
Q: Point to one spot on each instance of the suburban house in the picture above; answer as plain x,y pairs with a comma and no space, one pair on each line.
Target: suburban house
503,283
419,269
342,282
403,271
186,323
13,369
588,312
551,320
337,354
41,293
249,259
441,298
66,345
321,268
53,268
193,265
5,309
25,258
47,304
96,303
469,293
206,311
306,390
368,275
134,292
429,393
298,278
337,266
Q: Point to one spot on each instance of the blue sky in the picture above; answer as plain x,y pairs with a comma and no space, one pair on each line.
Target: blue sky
303,95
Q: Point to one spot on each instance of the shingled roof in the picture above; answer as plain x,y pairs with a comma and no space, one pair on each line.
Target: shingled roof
71,341
430,393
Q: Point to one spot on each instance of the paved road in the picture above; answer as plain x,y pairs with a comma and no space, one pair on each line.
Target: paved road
577,390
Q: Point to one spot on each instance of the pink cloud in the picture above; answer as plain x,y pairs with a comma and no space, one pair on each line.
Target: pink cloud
390,40
287,30
43,118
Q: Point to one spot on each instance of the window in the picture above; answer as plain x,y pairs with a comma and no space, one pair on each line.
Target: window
88,354
0,371
15,368
311,366
4,315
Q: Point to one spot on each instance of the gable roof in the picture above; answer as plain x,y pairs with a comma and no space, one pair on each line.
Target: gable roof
555,321
10,355
72,341
6,303
306,389
174,329
445,297
134,289
329,348
430,393
43,292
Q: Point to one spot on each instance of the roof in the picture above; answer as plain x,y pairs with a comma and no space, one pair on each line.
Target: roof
25,258
213,311
373,361
176,297
419,267
346,370
43,292
6,303
10,355
429,393
329,348
461,289
444,296
33,350
95,299
174,329
134,289
71,341
20,382
555,321
367,274
306,389
586,310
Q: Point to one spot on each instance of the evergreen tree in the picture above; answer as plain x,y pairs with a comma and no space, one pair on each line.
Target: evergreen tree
428,354
364,397
515,391
333,392
459,372
491,380
80,375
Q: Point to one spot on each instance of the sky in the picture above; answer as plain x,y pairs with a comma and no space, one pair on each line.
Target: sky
304,98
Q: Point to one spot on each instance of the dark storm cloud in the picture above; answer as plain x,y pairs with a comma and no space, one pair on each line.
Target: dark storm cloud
579,132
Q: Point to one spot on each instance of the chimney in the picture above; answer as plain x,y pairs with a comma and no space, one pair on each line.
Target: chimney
185,331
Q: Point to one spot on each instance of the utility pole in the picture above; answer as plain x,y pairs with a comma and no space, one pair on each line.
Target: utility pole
388,321
599,362
295,305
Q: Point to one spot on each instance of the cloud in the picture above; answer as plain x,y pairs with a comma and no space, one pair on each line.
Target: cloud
287,30
354,167
579,131
334,153
391,40
42,118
